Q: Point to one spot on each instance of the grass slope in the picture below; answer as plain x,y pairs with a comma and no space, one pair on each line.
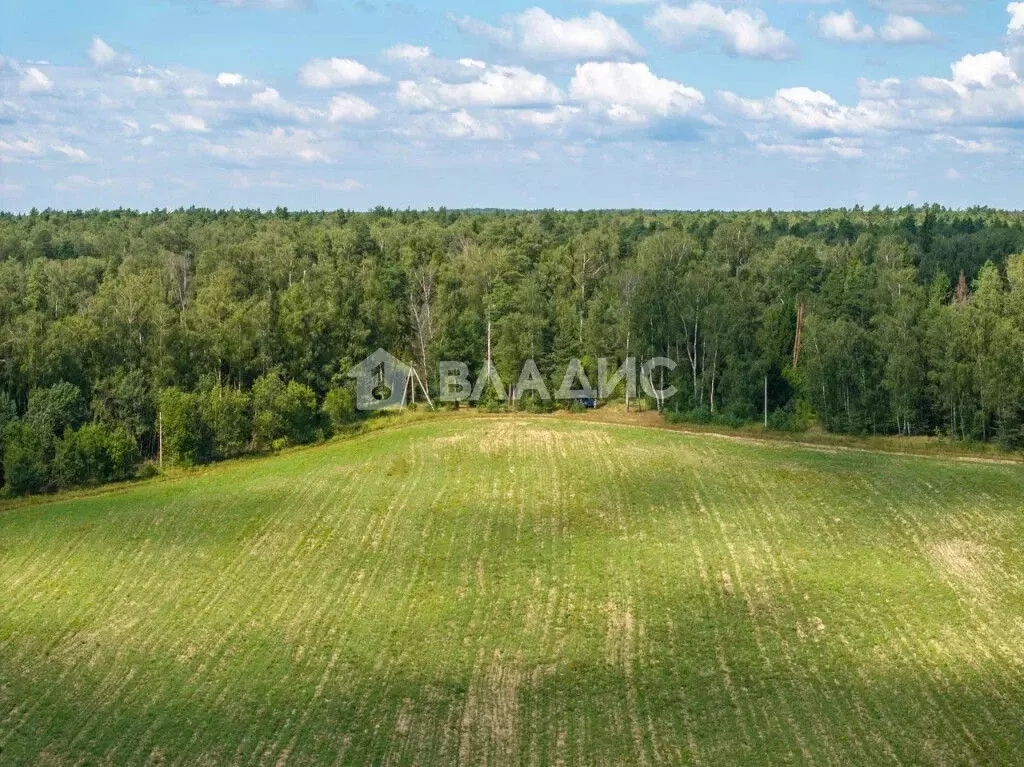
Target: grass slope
522,590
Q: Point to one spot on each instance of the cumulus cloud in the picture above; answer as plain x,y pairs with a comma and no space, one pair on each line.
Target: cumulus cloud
338,73
230,80
1016,11
348,108
904,29
270,101
985,70
547,119
631,92
35,81
896,30
463,125
593,37
984,92
844,27
813,111
741,32
495,86
100,53
539,35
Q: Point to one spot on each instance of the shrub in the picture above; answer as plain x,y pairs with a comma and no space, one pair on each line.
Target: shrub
228,416
148,470
339,407
532,402
70,459
187,439
93,454
123,454
782,420
283,412
703,415
26,448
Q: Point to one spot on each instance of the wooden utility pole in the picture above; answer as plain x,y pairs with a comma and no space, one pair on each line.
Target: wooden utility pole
799,331
628,375
766,402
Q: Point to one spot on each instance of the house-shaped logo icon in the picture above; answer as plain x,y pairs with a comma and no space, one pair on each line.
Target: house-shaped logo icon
381,380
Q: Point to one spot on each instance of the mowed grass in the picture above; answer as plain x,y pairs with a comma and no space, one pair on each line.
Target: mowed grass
522,591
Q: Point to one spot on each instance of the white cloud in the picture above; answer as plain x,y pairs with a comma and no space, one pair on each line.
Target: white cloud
348,108
406,52
19,147
140,84
984,90
596,36
338,73
72,153
984,70
249,148
1016,11
100,53
904,29
556,117
631,92
844,27
188,123
539,35
952,174
970,146
270,101
230,80
500,35
35,81
814,111
741,32
463,125
496,86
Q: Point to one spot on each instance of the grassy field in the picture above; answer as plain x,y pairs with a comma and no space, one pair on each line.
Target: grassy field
522,590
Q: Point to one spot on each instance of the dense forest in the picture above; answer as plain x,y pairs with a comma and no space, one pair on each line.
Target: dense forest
231,332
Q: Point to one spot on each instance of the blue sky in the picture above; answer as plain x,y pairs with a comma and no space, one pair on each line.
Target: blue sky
570,104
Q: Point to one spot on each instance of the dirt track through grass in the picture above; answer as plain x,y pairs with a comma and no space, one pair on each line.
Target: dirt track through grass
529,591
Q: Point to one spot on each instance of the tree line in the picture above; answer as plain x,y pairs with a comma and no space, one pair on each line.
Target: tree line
233,331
